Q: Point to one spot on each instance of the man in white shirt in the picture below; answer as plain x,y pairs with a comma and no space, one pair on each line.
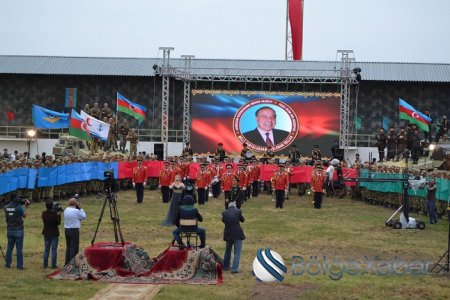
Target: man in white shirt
72,222
13,156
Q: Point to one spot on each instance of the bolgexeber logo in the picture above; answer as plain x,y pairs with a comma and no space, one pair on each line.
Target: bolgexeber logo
268,266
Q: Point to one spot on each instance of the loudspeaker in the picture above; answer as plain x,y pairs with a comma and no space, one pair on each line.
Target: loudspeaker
339,154
158,150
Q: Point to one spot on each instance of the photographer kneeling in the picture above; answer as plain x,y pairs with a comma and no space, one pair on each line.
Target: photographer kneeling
51,218
15,212
72,223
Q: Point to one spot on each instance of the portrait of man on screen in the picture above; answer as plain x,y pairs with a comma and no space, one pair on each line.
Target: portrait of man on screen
265,134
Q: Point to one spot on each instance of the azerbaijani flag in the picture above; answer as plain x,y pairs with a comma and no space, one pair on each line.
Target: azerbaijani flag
133,109
71,97
407,112
78,126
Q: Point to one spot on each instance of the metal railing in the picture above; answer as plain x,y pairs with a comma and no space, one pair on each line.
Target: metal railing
145,135
153,135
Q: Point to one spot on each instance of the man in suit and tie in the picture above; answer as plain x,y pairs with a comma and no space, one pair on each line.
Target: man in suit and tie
265,133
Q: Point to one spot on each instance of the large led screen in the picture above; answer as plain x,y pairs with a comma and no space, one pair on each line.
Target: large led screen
263,119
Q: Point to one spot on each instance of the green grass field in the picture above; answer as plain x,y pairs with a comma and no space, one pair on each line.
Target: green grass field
342,229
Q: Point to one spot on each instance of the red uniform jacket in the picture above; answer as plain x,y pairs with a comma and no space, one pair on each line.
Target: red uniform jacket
140,174
214,171
184,170
317,180
202,179
165,177
242,175
256,173
226,181
280,181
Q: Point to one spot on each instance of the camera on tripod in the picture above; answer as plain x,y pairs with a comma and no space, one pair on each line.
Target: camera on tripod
109,185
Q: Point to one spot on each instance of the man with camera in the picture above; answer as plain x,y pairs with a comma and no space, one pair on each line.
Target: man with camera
51,219
72,223
15,212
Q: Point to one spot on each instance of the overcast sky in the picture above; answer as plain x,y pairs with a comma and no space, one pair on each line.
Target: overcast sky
381,30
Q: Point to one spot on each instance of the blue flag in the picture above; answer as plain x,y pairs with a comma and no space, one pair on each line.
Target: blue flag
386,123
48,119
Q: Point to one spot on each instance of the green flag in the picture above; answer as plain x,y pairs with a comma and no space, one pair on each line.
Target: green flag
358,122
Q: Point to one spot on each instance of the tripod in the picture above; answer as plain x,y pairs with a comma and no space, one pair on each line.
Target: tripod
443,264
111,199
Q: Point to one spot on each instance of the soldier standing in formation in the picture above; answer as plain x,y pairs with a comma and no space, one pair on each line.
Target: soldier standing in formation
242,178
294,155
226,180
165,181
416,147
317,182
112,134
134,139
402,143
140,176
123,132
280,184
391,141
96,112
255,177
215,171
220,152
202,180
187,150
316,154
381,144
443,129
409,136
106,111
87,109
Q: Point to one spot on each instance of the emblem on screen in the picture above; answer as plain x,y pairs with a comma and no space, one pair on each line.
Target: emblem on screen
266,122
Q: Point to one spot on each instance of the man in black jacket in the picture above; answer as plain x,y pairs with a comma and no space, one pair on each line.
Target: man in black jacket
233,235
187,211
15,212
51,219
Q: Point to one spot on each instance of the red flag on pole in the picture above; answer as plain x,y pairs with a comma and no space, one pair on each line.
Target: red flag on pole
296,20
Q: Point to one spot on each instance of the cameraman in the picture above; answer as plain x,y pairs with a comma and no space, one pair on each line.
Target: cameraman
51,218
72,222
15,212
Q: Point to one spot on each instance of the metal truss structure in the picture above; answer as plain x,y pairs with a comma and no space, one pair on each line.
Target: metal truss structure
343,76
347,79
187,99
165,70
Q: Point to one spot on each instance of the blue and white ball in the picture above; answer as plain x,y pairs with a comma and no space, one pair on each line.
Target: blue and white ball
268,266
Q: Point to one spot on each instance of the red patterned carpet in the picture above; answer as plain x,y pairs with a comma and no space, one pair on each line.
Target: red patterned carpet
111,262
